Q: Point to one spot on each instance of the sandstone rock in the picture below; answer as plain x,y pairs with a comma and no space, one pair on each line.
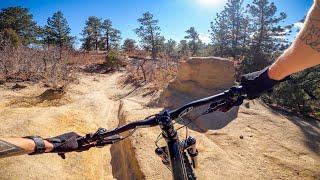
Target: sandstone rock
51,94
199,77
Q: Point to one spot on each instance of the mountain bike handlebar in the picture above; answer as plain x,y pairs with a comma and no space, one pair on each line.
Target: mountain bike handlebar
223,101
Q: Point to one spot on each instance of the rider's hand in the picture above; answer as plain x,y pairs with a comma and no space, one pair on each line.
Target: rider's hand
258,82
65,143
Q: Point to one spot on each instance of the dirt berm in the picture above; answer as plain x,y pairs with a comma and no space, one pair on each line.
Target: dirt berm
199,77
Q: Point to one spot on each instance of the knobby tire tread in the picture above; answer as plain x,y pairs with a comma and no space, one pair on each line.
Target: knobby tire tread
189,169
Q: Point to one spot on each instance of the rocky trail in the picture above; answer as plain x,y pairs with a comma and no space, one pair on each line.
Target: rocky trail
259,144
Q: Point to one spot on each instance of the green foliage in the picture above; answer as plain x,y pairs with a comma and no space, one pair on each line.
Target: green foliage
205,49
255,36
183,48
111,37
112,59
229,32
9,37
129,45
149,34
170,49
193,36
57,31
21,22
301,93
267,32
91,34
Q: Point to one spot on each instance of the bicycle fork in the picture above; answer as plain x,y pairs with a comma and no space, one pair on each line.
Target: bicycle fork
188,144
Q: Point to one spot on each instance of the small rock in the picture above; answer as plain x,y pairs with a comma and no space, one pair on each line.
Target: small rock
18,86
46,85
2,81
241,137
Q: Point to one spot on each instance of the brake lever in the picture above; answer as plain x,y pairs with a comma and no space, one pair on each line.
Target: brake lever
109,140
86,145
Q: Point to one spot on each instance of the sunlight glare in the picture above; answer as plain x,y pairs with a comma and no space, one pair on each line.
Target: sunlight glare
211,3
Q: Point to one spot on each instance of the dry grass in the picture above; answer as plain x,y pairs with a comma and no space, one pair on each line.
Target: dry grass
48,64
142,69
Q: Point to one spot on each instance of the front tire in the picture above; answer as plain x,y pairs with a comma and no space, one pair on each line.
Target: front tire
189,169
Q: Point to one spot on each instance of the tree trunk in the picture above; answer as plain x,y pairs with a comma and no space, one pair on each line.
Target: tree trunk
107,42
60,52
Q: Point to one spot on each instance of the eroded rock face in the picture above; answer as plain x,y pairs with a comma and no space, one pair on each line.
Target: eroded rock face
199,77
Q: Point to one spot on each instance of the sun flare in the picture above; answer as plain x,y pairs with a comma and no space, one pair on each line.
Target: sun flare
210,3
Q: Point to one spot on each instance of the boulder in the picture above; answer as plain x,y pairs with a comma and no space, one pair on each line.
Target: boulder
199,77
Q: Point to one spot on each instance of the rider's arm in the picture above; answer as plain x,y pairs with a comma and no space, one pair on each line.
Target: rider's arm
63,143
19,146
304,52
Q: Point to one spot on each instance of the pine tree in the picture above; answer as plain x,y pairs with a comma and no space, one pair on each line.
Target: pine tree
193,36
219,35
149,33
170,48
302,92
111,35
183,48
129,45
91,34
21,22
9,37
228,33
267,35
57,31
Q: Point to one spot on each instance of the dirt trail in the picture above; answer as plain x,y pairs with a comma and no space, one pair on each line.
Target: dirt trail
86,106
272,145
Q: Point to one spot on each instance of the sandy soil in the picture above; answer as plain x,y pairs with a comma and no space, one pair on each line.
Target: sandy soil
274,145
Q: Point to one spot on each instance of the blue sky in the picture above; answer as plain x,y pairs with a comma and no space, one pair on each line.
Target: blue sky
175,16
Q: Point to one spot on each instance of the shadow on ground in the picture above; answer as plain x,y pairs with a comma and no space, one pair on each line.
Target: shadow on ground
99,68
309,126
212,121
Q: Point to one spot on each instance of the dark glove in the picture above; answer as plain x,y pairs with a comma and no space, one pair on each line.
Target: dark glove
65,143
258,82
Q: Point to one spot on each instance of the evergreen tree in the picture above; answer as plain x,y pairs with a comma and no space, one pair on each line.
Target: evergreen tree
91,34
9,37
21,22
129,45
193,36
228,33
267,35
111,35
170,48
149,33
219,35
57,31
160,44
302,92
183,48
